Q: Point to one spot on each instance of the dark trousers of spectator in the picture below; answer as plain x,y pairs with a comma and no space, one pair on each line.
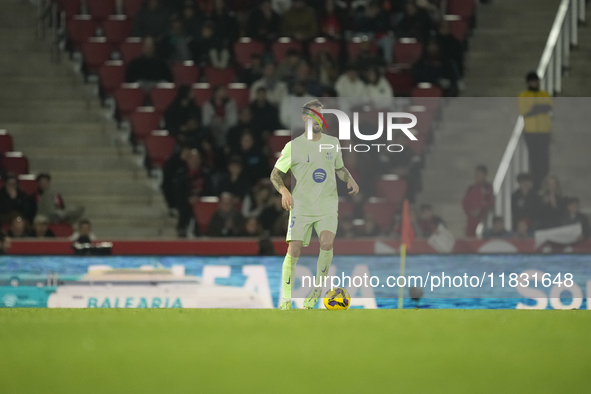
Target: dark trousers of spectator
538,149
185,215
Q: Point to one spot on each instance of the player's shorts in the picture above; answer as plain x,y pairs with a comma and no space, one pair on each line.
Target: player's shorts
300,226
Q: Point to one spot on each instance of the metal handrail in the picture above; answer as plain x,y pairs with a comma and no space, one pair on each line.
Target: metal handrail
554,60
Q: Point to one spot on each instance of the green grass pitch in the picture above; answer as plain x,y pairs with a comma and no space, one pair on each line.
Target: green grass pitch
299,351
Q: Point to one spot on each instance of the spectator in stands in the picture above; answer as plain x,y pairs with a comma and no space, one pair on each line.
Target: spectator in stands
83,234
525,203
51,204
209,48
265,117
498,229
148,68
182,108
235,181
177,43
225,19
264,23
152,20
257,200
453,48
41,227
574,216
252,227
349,84
415,23
378,89
299,22
346,229
219,114
332,20
190,133
171,171
19,228
406,164
374,23
280,227
478,200
14,201
287,68
254,72
255,163
211,156
522,230
227,221
367,56
536,106
298,91
304,75
271,214
193,181
436,67
244,124
274,88
369,229
326,70
191,19
429,222
552,203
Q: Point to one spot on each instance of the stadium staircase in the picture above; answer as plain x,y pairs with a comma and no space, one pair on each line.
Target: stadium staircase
45,108
507,43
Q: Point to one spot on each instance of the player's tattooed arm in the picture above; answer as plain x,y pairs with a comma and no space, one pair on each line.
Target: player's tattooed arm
277,180
345,176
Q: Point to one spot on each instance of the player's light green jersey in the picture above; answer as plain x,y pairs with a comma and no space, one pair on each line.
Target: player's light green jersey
315,193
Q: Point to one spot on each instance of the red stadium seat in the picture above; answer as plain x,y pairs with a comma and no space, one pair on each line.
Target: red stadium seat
112,75
101,9
128,97
185,73
159,146
282,45
381,210
391,188
463,8
278,140
204,209
202,92
130,48
322,44
401,81
80,29
132,7
28,183
70,7
162,95
356,44
117,28
427,95
143,121
6,144
244,48
407,51
16,162
61,230
457,26
240,93
96,52
219,76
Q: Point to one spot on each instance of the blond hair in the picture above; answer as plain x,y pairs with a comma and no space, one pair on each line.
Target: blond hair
313,103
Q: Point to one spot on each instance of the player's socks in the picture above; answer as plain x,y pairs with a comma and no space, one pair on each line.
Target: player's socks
287,276
322,267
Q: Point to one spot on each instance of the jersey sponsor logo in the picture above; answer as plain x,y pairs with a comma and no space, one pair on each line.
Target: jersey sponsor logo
319,175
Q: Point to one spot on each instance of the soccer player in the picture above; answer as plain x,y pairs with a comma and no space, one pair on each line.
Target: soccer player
314,203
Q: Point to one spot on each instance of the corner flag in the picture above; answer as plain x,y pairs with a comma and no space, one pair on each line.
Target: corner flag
407,238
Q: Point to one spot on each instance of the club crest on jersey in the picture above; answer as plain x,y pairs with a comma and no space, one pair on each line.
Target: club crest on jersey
328,155
319,175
